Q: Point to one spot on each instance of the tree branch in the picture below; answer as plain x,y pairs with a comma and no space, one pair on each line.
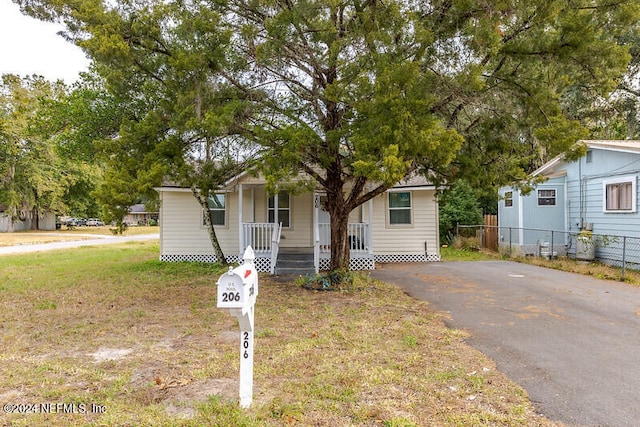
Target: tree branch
313,173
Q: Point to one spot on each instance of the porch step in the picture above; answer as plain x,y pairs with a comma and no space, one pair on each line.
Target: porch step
295,263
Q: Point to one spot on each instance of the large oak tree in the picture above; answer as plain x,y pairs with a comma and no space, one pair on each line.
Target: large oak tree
359,94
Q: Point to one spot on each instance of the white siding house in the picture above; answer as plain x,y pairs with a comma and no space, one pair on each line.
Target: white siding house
400,225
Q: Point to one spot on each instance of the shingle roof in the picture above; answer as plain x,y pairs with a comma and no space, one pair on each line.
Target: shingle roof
415,180
620,145
558,162
137,208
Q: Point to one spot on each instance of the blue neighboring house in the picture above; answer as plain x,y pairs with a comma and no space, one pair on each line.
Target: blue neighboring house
598,192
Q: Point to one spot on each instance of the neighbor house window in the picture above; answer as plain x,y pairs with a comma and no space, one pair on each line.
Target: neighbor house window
279,209
508,199
546,197
400,208
217,209
620,195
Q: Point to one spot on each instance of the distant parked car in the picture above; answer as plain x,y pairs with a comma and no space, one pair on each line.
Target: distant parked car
94,222
81,222
69,222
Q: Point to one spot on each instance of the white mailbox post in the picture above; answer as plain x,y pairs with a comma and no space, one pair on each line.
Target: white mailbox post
237,292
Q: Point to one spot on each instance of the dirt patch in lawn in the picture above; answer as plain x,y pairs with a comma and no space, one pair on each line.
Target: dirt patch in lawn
33,238
20,238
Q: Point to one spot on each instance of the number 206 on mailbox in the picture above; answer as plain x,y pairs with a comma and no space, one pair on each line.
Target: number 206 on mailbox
230,291
237,288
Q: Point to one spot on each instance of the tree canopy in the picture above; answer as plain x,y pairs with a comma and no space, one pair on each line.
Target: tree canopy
616,115
39,171
356,94
458,206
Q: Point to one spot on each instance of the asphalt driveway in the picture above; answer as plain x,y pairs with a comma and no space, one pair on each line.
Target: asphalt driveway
573,342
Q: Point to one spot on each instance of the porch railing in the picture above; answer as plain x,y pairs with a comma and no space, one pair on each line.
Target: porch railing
259,235
359,238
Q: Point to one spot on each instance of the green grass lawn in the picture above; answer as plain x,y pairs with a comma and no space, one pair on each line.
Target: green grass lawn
449,253
110,336
595,269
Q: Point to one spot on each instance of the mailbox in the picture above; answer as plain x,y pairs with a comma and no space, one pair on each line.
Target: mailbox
237,291
238,288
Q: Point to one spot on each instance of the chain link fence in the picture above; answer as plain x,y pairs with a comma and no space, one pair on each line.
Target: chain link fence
616,251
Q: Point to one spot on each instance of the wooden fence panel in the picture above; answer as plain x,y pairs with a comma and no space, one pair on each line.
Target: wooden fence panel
490,232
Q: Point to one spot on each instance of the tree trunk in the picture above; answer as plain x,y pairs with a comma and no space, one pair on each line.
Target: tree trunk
35,219
202,200
340,250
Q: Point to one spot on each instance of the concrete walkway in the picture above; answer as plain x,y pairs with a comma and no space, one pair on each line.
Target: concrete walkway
571,341
95,240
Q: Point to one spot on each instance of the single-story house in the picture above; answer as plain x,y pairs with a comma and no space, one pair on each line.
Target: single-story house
400,225
138,215
597,193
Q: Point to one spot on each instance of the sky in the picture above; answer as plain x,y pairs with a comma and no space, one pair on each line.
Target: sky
29,46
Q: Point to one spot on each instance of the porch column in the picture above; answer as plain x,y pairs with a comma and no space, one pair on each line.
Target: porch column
316,231
370,227
240,225
253,205
275,208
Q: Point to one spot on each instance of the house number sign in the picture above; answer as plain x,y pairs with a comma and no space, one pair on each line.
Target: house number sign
237,292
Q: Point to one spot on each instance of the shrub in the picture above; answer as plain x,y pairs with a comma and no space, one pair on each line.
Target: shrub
339,280
458,206
466,243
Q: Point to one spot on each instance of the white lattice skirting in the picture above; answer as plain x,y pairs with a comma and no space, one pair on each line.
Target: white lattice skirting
354,264
262,264
407,258
370,263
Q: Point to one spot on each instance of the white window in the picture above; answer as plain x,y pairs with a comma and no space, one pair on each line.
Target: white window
620,195
400,208
547,197
508,199
279,209
217,209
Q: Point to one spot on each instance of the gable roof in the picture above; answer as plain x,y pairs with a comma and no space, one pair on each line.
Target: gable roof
627,145
138,208
415,180
412,182
555,165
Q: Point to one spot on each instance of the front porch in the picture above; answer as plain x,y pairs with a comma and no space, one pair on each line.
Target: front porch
265,239
298,223
360,246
